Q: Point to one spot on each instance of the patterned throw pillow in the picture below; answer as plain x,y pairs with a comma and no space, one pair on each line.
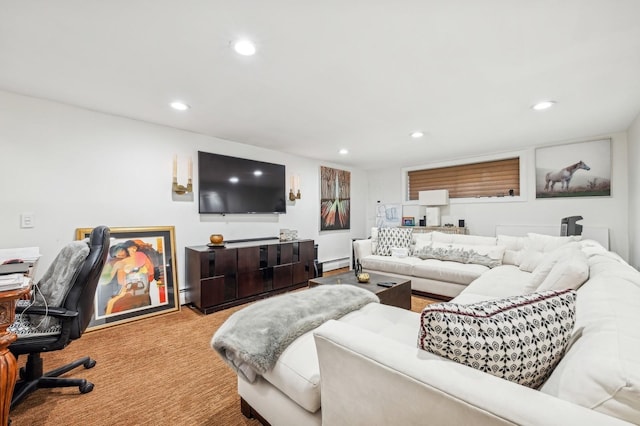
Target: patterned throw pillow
392,237
520,339
490,256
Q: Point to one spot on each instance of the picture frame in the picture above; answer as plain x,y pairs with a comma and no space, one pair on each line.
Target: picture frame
579,169
138,279
335,199
408,221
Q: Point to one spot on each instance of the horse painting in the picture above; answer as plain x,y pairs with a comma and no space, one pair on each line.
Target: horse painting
563,176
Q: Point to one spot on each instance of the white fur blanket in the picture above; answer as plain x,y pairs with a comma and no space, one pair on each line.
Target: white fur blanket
252,339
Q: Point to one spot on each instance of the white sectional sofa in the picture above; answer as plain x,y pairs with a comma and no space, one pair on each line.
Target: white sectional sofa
367,369
440,265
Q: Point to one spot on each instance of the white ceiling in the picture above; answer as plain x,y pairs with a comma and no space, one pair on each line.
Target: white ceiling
358,74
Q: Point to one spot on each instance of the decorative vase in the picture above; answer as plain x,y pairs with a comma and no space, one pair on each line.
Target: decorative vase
216,239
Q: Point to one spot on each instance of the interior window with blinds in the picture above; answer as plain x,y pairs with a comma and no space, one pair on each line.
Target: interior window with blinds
499,178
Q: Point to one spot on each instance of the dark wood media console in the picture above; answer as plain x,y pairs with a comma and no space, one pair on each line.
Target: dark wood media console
221,277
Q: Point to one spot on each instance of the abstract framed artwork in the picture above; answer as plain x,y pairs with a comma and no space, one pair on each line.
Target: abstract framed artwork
581,169
138,279
335,199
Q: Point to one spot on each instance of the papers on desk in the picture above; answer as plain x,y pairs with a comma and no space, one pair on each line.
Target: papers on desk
13,282
27,258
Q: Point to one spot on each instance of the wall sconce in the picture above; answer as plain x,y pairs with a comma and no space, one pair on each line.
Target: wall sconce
295,185
181,189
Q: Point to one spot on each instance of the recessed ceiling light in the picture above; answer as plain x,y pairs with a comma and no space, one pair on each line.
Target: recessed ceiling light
417,134
543,105
234,179
257,173
180,106
344,151
244,47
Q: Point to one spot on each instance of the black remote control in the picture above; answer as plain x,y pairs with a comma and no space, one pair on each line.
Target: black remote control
386,284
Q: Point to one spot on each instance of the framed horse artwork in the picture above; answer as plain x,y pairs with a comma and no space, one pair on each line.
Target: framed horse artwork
581,169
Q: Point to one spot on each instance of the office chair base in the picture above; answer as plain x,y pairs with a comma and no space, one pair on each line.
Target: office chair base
32,378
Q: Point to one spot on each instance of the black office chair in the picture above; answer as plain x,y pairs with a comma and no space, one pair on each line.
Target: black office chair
70,317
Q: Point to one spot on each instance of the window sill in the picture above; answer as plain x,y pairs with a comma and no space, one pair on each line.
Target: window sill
476,200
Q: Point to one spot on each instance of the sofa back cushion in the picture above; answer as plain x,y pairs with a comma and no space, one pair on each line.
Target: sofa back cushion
565,267
520,339
490,256
392,237
442,237
513,248
536,245
601,369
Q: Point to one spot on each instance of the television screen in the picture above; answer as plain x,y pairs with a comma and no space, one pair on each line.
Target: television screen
238,185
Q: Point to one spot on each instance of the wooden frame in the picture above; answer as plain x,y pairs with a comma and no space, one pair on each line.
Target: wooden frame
139,276
335,199
581,169
408,221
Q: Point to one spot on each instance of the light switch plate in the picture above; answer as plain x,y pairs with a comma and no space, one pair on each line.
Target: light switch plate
26,220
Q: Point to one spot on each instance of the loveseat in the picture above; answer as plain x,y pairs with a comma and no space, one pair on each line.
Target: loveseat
374,372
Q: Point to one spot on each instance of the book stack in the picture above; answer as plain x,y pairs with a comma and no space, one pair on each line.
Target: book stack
13,282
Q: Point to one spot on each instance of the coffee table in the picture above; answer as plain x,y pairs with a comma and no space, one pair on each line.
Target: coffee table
398,295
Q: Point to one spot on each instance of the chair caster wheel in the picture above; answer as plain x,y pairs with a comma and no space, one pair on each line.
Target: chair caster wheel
86,387
90,363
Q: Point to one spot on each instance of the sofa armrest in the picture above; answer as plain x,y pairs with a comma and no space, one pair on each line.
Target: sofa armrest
362,248
371,379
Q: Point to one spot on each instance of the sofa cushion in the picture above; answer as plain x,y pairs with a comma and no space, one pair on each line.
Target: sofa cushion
536,245
447,271
392,237
297,373
496,283
601,369
490,256
395,265
442,237
520,339
513,248
420,240
565,267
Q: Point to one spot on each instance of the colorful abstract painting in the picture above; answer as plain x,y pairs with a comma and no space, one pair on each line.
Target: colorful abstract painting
335,199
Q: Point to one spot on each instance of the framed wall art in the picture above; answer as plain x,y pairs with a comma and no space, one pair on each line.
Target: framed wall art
335,199
581,169
139,276
408,221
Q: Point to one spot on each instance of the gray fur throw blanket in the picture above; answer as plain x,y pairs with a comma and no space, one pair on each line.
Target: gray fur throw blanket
252,339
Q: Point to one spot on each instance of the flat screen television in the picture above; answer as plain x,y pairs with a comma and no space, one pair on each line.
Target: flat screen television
238,185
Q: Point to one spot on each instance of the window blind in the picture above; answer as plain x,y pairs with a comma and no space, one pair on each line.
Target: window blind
486,179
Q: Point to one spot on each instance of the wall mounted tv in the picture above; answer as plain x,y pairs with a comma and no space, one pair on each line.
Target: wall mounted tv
238,185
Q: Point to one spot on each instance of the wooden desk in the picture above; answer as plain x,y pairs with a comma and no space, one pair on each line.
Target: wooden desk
8,365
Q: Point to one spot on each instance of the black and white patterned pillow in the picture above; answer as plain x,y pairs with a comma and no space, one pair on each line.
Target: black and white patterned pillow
392,237
520,339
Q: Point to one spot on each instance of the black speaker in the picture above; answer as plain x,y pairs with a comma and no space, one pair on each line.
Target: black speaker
461,223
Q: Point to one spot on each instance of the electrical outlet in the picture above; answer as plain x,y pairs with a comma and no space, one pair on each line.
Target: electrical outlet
26,220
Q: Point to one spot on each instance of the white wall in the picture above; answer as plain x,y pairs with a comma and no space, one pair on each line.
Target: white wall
75,168
481,216
634,192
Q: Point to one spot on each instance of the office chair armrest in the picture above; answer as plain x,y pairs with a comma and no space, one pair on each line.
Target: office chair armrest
51,311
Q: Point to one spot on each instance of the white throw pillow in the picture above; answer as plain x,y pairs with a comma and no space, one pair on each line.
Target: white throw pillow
570,265
570,272
420,240
513,248
535,245
520,339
